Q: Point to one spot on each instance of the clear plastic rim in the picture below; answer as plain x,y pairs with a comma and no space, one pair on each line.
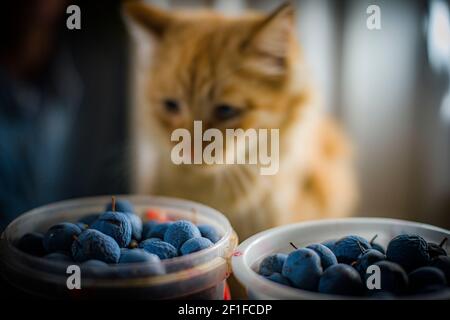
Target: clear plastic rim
155,201
246,275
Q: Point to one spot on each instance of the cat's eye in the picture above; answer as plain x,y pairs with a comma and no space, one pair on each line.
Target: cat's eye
171,106
224,112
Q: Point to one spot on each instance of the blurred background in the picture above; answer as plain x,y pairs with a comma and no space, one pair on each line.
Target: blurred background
65,98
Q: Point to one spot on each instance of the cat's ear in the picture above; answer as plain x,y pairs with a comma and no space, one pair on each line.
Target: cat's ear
150,18
268,44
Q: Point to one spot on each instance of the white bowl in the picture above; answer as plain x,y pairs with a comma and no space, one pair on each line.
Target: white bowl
248,255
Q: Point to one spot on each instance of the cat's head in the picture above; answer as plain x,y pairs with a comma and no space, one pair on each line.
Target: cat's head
228,72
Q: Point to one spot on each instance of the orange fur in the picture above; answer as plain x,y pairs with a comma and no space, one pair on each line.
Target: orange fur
202,59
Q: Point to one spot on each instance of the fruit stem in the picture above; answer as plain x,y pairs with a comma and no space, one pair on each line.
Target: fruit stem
373,239
293,245
113,203
361,247
443,242
133,244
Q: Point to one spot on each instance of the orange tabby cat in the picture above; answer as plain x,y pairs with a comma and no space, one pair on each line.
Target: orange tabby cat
238,72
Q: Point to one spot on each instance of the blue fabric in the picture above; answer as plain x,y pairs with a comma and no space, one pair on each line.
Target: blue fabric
36,122
64,135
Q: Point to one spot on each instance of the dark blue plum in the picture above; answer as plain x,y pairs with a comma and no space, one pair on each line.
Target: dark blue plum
278,278
93,263
116,225
272,264
136,255
327,256
181,231
152,267
159,230
147,227
92,244
303,269
95,268
330,244
435,250
89,219
60,237
443,264
120,205
341,279
426,277
32,243
81,225
136,225
208,231
348,249
127,208
367,259
409,251
376,246
195,244
161,248
393,278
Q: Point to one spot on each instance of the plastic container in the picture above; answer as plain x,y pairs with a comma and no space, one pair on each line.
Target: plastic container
200,275
248,255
